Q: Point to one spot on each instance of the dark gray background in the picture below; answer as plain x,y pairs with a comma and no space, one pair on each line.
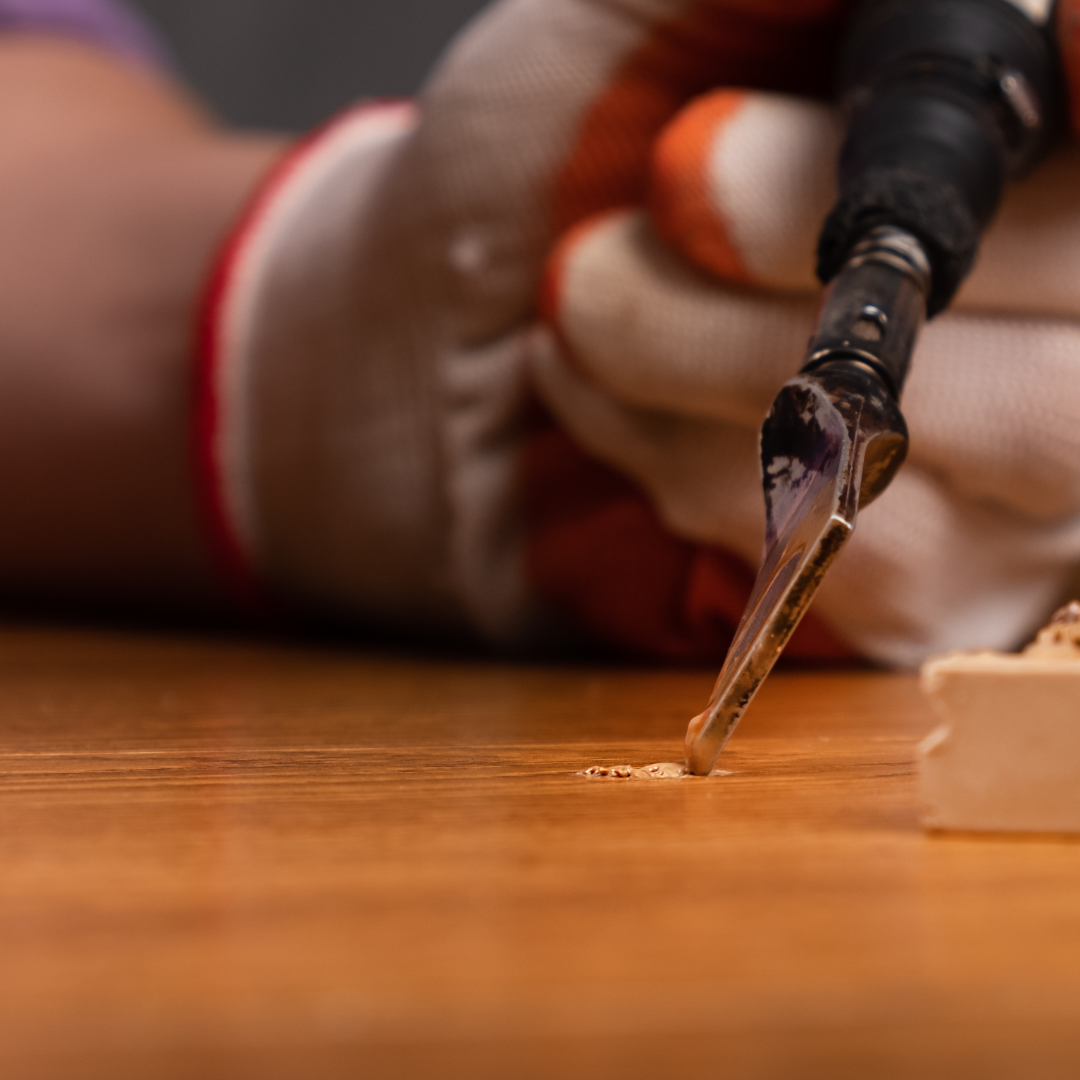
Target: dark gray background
291,63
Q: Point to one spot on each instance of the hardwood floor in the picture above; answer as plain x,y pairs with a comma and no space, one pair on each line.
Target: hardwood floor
236,860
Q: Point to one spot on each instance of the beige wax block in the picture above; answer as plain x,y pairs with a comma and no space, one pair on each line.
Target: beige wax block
1007,754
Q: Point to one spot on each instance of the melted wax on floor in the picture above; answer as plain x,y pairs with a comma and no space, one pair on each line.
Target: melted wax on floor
662,770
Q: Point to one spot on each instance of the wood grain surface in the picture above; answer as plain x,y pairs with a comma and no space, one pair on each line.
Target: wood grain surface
235,860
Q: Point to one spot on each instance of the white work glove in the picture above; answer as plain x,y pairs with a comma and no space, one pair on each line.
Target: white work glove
368,430
370,446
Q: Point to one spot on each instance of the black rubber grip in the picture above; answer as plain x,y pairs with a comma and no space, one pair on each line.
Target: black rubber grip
948,99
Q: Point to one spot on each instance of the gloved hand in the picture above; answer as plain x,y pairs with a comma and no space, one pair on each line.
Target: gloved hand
367,432
366,426
664,373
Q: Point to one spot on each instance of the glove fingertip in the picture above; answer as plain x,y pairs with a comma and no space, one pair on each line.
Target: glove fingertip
681,202
553,284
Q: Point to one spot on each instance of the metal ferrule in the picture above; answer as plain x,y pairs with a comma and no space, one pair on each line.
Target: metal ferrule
875,307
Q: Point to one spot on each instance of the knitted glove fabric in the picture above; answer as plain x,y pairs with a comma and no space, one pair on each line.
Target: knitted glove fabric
368,434
664,373
369,430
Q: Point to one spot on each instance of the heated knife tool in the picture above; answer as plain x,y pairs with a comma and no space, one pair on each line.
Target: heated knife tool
946,100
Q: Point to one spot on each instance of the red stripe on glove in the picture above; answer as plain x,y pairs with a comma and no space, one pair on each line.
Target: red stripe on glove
1068,30
599,552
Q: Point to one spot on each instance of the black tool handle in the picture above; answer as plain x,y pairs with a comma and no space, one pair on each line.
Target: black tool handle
947,99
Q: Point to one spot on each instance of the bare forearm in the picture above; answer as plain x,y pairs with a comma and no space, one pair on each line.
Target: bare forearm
115,192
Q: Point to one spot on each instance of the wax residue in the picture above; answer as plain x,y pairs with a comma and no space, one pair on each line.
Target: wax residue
662,770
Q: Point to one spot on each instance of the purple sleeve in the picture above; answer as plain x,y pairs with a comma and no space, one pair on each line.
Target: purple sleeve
104,22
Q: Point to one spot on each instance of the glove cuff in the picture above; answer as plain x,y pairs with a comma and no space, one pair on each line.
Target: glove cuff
279,266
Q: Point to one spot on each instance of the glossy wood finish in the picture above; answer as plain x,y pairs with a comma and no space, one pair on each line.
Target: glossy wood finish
241,860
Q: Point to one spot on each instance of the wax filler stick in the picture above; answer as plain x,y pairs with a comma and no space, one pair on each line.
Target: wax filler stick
947,100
